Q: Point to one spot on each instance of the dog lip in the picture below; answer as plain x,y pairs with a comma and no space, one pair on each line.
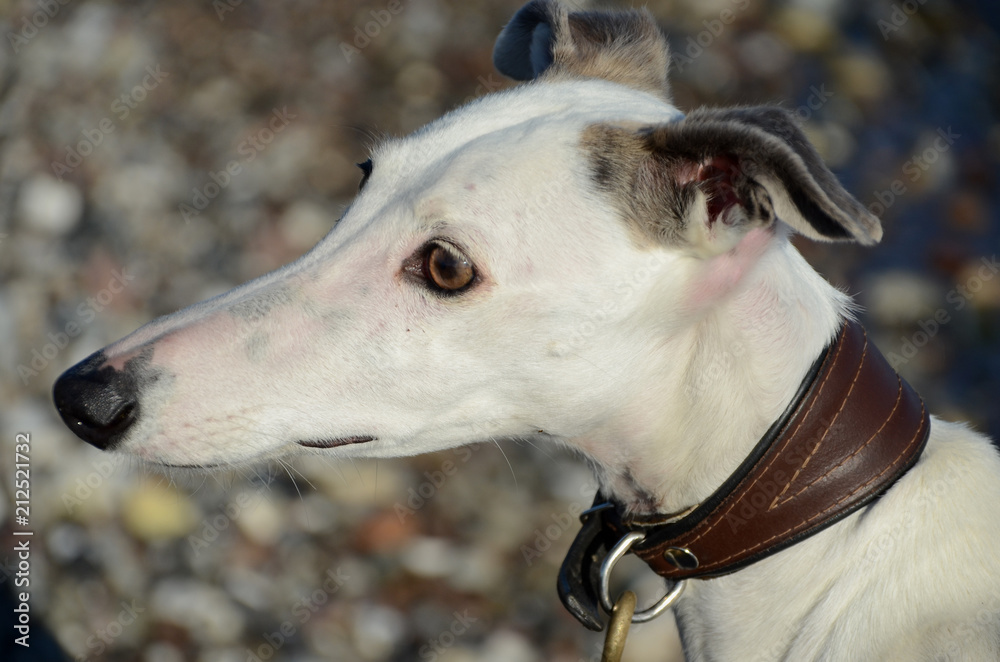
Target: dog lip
196,467
334,443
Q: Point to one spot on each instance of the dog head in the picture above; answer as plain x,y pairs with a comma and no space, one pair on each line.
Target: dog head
520,268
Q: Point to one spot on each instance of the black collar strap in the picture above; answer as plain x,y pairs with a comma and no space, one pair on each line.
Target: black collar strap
852,430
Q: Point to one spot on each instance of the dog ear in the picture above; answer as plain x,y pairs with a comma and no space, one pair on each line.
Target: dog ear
624,47
741,166
524,48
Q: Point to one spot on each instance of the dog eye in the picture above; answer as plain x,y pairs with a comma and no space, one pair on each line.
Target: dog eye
446,269
366,169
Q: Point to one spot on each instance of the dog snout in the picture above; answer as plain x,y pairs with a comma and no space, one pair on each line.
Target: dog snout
96,401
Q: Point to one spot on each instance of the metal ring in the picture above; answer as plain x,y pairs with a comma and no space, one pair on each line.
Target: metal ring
608,565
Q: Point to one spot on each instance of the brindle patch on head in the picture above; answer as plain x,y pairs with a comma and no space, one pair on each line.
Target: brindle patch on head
639,183
658,177
545,40
624,47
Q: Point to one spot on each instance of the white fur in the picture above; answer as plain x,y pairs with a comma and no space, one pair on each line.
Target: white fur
662,365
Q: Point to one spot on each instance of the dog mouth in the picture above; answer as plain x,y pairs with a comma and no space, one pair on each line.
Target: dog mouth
305,443
208,466
334,443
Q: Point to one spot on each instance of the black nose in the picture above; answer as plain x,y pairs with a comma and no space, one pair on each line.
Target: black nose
97,403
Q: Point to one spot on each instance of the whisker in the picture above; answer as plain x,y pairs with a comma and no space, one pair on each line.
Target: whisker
335,466
284,465
511,466
358,471
541,449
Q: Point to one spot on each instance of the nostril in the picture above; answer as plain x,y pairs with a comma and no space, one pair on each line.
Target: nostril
124,417
97,403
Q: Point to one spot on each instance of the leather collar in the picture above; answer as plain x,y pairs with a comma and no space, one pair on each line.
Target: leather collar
854,427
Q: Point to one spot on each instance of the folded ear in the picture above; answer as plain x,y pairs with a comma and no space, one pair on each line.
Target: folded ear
544,38
733,169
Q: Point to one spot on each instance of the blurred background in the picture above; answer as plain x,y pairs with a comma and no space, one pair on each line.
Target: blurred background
117,123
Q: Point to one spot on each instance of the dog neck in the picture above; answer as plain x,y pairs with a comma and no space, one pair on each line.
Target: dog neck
743,362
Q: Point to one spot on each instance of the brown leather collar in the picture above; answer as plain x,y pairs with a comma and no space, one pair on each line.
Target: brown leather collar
851,431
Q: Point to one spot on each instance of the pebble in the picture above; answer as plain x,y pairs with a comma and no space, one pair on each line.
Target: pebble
764,54
49,206
477,570
205,611
711,73
67,542
839,144
264,520
358,481
461,653
805,30
250,587
896,298
429,557
378,631
506,645
88,36
980,280
419,80
125,571
156,512
164,652
305,223
862,77
9,356
385,531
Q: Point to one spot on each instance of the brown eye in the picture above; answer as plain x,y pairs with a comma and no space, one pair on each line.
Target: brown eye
446,269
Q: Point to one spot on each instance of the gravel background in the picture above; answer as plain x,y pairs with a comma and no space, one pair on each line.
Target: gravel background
422,558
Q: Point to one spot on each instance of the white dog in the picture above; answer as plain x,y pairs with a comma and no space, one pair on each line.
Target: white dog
574,261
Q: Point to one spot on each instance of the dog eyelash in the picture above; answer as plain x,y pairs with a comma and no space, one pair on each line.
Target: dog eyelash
366,169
